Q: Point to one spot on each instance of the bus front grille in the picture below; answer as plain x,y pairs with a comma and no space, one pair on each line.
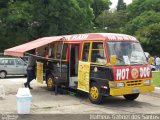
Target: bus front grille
134,83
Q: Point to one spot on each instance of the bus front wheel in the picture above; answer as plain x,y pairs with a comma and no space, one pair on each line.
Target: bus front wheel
131,96
50,82
94,94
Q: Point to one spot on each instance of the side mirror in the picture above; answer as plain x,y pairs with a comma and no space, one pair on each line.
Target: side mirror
150,60
113,59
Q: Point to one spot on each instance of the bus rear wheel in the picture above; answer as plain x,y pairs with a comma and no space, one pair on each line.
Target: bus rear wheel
94,94
131,96
50,82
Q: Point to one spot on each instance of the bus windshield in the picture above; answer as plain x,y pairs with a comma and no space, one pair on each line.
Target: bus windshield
127,53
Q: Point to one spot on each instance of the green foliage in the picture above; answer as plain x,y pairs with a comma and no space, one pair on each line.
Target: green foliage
24,20
144,22
140,6
144,19
150,38
99,6
113,21
58,17
121,5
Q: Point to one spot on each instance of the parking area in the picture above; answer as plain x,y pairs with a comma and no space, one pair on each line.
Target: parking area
46,102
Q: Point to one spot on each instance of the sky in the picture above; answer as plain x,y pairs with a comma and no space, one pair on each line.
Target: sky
114,3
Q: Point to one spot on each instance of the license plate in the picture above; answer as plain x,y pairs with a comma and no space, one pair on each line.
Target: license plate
135,90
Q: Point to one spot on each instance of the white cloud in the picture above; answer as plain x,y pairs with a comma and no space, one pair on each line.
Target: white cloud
114,3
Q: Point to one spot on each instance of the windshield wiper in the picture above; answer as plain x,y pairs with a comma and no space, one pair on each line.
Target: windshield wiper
134,62
137,62
119,59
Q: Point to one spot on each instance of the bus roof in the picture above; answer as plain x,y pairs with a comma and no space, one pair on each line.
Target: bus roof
100,36
21,49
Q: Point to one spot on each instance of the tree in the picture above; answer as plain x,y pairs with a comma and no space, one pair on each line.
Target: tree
144,19
139,6
121,5
149,37
25,20
112,21
59,17
99,6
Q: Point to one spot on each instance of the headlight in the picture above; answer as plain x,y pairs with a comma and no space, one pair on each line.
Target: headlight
120,84
115,85
147,82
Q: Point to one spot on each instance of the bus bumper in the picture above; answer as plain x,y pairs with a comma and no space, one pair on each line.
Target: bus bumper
130,90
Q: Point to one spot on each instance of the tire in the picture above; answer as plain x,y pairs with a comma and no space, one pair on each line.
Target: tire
3,74
153,69
94,94
131,97
50,82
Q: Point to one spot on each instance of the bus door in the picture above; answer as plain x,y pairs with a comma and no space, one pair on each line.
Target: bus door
73,65
84,68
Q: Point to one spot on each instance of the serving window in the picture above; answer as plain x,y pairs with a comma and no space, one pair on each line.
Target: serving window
57,50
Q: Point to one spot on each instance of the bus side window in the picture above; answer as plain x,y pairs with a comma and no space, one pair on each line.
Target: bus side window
54,50
58,53
85,54
97,54
64,52
57,49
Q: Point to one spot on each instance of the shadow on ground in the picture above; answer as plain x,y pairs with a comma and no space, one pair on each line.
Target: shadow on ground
109,101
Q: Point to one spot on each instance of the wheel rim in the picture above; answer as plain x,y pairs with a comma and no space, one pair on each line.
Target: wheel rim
94,92
2,74
50,82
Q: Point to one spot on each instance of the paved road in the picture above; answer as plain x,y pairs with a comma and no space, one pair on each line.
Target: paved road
46,102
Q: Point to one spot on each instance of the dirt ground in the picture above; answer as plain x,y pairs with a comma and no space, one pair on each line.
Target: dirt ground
47,103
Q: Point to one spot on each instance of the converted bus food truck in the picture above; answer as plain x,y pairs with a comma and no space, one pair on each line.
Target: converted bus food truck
101,64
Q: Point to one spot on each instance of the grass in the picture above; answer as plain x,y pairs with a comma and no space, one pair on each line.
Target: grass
156,78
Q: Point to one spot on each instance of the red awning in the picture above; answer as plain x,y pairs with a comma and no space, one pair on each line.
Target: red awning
21,49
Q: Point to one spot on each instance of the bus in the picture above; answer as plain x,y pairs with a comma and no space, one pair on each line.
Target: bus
100,64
